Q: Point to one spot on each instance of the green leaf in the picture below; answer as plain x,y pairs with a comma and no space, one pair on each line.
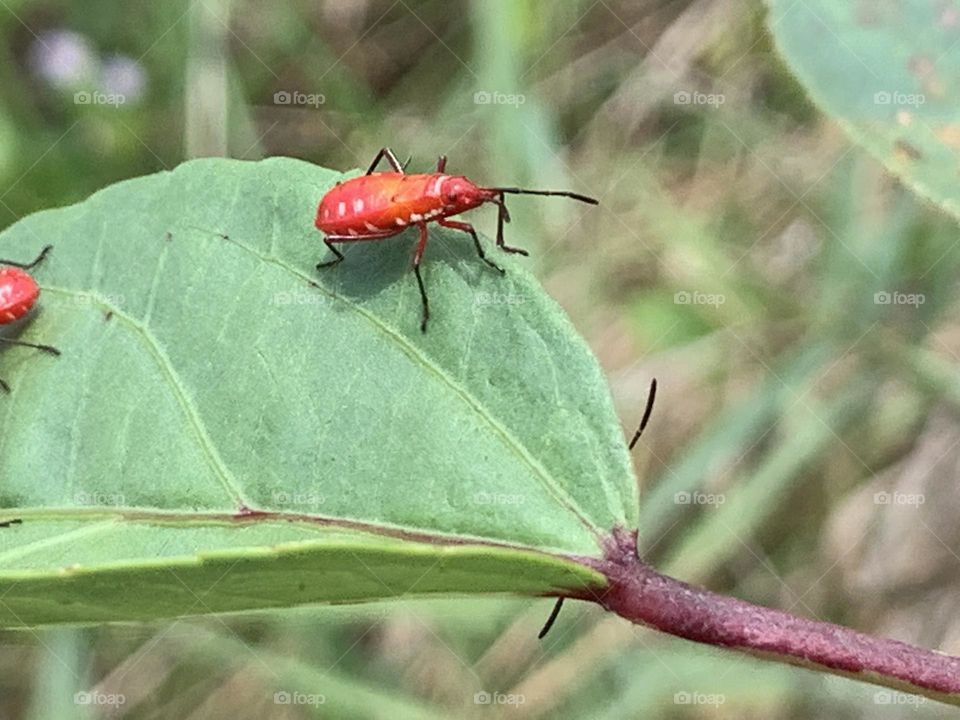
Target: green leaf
203,374
890,74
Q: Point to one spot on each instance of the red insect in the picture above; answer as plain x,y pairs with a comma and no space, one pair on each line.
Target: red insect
18,294
376,206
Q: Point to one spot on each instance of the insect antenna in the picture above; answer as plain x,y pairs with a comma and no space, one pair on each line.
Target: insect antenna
651,396
560,193
550,620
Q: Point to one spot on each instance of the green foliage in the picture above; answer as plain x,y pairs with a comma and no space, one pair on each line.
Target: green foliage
886,72
208,367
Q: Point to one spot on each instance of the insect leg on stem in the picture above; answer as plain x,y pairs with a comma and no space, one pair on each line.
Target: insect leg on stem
651,396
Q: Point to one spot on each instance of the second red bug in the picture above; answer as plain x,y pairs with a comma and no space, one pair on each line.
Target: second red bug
379,205
18,294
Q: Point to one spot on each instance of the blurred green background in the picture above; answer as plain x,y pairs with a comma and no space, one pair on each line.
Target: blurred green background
795,302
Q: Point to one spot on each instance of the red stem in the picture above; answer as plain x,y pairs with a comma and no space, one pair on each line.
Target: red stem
640,594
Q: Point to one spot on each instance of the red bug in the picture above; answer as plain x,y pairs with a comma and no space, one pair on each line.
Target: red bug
376,206
18,294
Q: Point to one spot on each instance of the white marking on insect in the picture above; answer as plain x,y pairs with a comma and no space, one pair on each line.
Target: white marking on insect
326,213
401,222
342,209
358,205
352,232
416,217
434,190
371,227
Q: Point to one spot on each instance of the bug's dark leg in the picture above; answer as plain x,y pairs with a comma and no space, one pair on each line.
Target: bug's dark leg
550,620
651,396
417,257
391,157
442,164
49,349
503,216
11,523
329,241
468,228
27,266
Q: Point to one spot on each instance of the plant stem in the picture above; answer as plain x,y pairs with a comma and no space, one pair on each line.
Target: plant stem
640,594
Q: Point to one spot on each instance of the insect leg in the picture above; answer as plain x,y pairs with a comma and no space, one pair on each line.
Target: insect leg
417,257
503,216
43,348
442,164
391,157
49,349
468,228
651,396
27,266
329,241
550,620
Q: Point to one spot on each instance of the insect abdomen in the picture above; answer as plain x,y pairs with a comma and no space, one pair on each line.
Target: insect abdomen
18,293
379,203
